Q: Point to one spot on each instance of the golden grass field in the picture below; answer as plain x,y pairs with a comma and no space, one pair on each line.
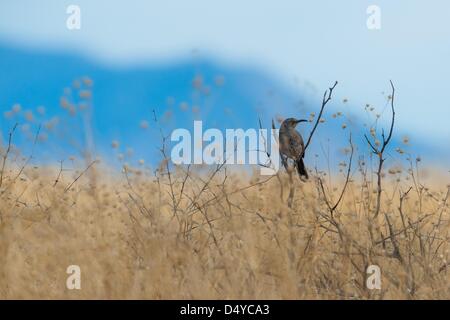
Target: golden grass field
204,236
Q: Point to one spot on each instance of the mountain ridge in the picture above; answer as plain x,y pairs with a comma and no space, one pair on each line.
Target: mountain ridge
126,100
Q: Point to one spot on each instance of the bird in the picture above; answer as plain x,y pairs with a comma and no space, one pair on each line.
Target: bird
292,146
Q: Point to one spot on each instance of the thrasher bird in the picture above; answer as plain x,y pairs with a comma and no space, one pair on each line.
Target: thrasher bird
292,146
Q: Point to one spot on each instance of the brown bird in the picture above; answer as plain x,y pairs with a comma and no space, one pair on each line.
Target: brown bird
292,146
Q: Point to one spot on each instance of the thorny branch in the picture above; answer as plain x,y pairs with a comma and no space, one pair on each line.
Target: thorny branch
380,152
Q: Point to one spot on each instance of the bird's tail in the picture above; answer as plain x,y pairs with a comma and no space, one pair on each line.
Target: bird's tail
301,168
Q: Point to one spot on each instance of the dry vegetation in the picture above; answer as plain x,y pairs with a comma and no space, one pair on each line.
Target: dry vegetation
186,233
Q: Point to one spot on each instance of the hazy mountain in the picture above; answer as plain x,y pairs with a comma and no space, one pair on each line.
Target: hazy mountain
126,100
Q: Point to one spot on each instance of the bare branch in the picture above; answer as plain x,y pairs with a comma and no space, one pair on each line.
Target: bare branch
326,98
79,176
5,156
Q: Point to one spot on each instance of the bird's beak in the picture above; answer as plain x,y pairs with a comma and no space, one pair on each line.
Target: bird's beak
302,120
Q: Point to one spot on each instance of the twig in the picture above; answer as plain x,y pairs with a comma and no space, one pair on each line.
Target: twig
326,98
79,176
59,174
5,156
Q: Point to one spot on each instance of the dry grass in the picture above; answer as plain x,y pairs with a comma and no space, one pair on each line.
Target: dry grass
143,236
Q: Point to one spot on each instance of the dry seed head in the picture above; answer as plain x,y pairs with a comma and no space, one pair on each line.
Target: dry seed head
197,82
85,94
29,115
184,106
49,125
115,144
72,110
76,84
88,81
63,102
16,108
41,110
219,80
144,124
83,105
43,136
8,114
347,150
170,101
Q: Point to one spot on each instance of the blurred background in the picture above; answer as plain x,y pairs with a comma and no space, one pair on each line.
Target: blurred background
101,87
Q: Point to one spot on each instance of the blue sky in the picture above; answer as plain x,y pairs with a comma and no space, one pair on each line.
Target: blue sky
314,41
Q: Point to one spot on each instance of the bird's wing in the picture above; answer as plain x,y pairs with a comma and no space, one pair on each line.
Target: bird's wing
296,144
